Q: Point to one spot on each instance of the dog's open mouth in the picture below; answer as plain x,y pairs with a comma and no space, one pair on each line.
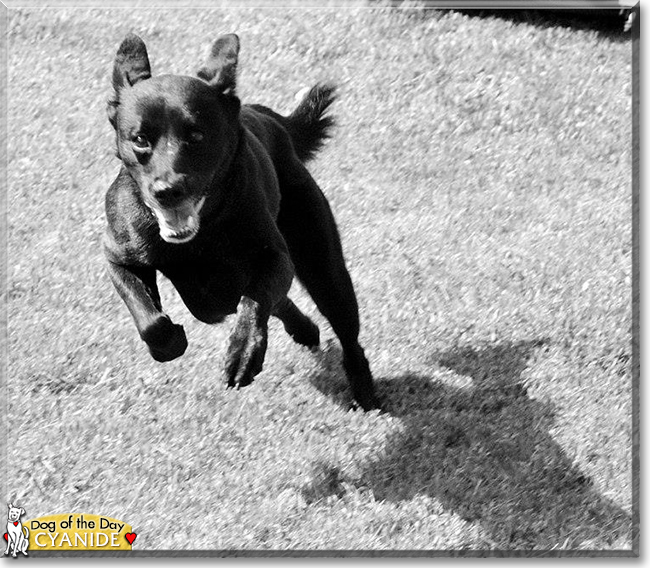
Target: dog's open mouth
179,224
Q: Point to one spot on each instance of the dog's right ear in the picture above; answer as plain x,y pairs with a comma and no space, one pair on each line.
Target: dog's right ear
131,66
10,506
131,63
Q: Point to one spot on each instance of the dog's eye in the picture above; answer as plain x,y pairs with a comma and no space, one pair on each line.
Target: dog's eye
196,137
141,142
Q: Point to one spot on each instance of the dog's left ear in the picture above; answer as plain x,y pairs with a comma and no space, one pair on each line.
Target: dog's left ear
22,511
220,69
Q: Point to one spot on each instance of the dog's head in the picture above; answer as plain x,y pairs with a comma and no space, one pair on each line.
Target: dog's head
14,513
175,134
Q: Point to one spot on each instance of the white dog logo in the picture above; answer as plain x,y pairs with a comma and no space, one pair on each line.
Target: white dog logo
15,536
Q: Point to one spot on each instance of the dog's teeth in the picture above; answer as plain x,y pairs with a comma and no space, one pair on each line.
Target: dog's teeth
179,225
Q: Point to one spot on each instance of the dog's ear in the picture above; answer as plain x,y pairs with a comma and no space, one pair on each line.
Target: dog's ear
220,69
131,63
22,511
10,506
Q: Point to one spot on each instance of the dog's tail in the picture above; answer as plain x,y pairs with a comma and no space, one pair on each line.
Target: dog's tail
308,125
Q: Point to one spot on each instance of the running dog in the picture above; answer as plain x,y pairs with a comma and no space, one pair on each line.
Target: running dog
215,196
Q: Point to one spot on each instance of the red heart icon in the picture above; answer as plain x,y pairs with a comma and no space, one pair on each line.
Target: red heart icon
6,536
130,537
15,523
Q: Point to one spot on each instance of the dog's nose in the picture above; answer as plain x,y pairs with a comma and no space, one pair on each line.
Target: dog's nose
166,193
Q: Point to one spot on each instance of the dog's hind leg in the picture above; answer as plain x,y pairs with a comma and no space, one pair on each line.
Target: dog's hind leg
308,226
297,325
334,295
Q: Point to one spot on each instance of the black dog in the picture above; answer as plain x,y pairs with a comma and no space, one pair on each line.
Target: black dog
215,196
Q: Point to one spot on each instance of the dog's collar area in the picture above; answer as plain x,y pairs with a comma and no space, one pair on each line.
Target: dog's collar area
232,168
230,171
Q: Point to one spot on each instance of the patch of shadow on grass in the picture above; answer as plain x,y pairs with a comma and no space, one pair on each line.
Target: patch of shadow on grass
485,451
331,379
608,22
326,481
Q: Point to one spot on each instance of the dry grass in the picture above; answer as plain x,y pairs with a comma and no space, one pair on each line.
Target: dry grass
480,175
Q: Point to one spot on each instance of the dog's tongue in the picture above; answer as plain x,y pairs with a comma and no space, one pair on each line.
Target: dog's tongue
179,224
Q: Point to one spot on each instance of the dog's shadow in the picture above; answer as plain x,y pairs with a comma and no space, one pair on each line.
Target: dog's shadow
485,452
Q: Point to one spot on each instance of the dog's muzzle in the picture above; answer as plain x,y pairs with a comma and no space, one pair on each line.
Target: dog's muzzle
180,223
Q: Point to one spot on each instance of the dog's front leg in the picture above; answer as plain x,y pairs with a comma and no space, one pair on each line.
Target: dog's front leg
247,343
248,340
137,287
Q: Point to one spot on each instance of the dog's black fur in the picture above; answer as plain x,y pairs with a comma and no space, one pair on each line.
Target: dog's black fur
215,196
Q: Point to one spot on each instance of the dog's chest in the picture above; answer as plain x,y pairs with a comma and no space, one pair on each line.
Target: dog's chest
210,288
215,258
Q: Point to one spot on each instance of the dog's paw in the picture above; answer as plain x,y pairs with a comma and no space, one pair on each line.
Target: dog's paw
165,339
358,372
246,349
307,334
366,402
244,358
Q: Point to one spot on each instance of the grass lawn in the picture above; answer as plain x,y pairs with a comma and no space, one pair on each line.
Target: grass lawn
480,174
